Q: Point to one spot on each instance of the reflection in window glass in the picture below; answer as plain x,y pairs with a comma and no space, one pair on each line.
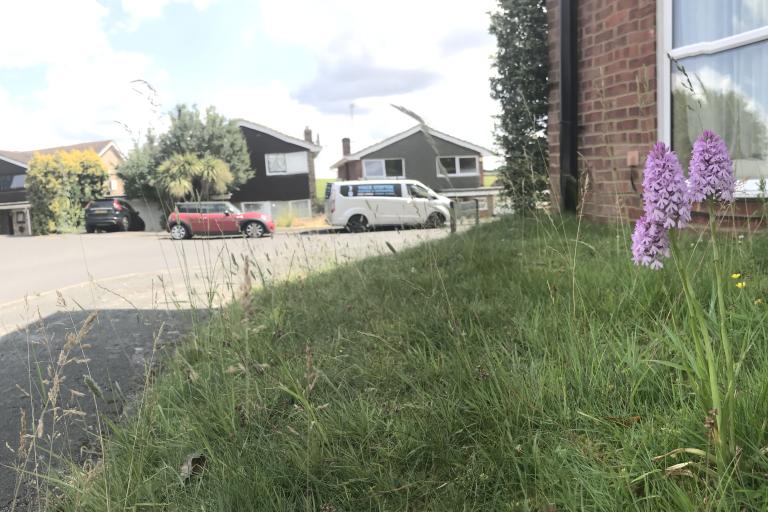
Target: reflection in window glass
276,163
373,168
448,164
726,93
468,165
696,21
394,168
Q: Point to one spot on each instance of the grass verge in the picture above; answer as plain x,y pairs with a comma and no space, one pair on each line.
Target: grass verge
523,365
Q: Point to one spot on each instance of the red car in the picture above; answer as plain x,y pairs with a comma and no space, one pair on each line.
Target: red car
217,218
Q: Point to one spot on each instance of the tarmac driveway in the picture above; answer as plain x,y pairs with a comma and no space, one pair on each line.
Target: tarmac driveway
145,291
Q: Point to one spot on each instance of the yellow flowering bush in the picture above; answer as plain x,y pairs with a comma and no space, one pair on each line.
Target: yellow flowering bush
59,185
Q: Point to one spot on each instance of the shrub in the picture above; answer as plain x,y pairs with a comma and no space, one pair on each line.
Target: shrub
59,185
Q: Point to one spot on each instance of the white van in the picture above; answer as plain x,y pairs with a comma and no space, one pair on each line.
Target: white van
360,205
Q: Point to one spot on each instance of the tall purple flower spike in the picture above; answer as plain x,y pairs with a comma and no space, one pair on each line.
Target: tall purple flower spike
665,193
711,169
650,243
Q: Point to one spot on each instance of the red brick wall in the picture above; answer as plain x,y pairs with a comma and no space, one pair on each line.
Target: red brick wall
617,101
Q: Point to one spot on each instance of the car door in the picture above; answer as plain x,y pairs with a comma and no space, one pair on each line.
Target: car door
222,219
386,201
417,208
200,218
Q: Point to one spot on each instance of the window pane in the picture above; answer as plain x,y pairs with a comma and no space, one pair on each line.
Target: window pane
12,181
297,162
468,165
276,163
394,168
725,93
362,190
374,167
695,21
449,165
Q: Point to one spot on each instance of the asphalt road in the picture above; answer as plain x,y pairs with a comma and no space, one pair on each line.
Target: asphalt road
145,291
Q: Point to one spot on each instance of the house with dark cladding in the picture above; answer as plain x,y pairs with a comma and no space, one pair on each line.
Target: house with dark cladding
15,215
626,73
446,164
284,172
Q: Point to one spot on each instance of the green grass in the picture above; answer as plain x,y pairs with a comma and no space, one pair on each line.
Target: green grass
514,367
320,184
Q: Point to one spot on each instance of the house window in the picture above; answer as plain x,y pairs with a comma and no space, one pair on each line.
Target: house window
287,163
12,181
715,80
457,166
384,168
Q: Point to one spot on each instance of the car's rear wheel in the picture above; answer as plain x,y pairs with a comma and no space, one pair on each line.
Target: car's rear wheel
357,224
435,220
125,224
179,232
90,229
254,230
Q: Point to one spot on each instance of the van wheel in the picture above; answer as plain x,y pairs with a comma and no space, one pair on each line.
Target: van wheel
435,220
357,224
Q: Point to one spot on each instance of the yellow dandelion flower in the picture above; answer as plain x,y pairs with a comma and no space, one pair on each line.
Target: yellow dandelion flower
758,302
736,275
741,284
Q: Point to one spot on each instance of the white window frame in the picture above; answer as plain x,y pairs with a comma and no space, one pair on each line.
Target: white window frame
384,176
665,54
288,170
458,174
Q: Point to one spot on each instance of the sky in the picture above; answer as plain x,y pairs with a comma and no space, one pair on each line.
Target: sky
78,70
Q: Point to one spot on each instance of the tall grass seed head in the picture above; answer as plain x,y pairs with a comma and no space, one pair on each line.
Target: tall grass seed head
711,169
665,193
650,243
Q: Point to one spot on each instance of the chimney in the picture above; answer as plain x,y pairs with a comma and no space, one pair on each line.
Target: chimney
345,147
308,135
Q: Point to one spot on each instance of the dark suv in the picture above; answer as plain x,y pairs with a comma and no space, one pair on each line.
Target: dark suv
112,214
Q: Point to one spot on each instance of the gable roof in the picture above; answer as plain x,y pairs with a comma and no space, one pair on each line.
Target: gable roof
407,133
314,148
22,158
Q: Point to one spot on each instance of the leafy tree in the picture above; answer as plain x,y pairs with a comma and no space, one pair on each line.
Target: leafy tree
59,185
138,169
212,135
184,176
197,157
520,27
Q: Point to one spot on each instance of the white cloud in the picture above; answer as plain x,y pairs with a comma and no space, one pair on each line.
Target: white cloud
139,10
86,88
42,32
444,39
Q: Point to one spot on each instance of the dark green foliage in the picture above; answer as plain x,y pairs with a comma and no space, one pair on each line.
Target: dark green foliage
520,27
138,169
210,135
